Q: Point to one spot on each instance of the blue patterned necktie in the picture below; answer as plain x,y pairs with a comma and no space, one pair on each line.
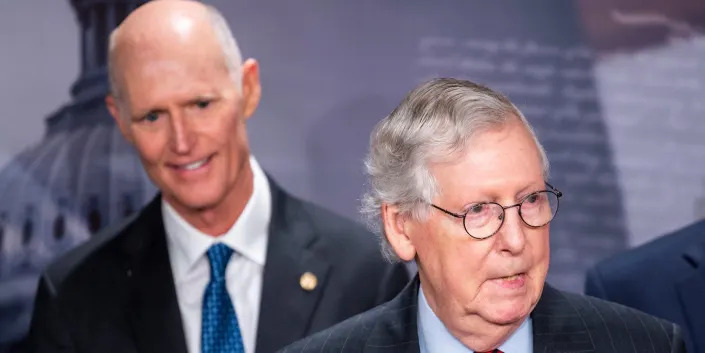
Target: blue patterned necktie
220,332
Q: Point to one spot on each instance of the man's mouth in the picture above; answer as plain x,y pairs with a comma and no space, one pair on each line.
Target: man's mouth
193,165
512,277
514,281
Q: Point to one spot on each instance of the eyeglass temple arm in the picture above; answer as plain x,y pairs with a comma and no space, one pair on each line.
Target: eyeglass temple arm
558,193
448,212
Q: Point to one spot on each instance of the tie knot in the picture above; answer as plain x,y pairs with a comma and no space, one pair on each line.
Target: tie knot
218,256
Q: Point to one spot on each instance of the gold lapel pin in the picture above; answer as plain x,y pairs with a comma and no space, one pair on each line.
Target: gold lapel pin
308,281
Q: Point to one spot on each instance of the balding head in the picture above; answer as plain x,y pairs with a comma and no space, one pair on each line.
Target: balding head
163,28
182,98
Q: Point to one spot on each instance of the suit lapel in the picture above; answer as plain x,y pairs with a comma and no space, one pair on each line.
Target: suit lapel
153,308
557,325
286,308
396,329
691,294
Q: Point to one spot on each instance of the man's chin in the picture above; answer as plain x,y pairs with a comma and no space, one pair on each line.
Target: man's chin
509,314
192,203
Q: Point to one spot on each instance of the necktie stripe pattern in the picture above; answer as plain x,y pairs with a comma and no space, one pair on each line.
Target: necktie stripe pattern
220,331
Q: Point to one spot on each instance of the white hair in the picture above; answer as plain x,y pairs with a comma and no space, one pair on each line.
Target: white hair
432,124
228,45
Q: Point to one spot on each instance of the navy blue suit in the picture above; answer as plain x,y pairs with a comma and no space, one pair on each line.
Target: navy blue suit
561,323
665,278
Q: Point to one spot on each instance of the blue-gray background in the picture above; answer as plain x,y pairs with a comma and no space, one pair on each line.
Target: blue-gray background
613,88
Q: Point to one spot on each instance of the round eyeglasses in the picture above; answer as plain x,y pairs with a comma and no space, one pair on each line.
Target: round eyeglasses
484,219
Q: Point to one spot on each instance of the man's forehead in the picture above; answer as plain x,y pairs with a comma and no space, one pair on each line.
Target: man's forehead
147,57
150,67
508,149
158,82
143,45
172,75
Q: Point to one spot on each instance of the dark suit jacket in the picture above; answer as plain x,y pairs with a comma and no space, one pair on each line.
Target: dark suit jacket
116,293
562,322
665,277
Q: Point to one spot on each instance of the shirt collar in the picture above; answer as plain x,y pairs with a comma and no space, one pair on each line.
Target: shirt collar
434,337
247,237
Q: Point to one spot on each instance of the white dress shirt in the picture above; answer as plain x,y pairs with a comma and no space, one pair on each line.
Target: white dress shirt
189,263
435,338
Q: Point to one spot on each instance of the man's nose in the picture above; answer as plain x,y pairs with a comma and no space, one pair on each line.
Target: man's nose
512,233
182,137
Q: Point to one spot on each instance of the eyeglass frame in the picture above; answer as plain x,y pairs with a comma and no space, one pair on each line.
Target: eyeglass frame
462,216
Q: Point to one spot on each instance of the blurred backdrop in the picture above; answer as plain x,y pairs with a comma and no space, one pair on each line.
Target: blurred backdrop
614,89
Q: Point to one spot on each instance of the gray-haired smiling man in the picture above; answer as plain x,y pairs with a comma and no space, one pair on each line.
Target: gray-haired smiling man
459,184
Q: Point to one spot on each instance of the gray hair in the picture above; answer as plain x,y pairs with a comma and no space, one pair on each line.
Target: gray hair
228,45
432,124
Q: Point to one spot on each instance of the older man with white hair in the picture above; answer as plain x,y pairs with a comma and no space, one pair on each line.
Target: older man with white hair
459,183
223,259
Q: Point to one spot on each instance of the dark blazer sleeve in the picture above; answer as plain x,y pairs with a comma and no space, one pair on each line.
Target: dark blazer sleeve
594,285
48,331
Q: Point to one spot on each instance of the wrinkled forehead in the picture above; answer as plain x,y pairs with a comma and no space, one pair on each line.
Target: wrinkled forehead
160,59
143,48
495,158
147,63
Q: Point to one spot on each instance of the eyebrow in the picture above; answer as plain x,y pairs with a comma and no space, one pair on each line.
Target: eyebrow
525,191
201,97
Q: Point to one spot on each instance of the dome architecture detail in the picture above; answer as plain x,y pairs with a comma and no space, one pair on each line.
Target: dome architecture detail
79,178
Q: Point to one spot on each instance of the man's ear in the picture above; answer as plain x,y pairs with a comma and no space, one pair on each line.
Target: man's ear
114,110
251,87
396,230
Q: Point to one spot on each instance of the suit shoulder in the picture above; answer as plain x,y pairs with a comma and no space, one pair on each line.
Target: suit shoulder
655,255
614,318
336,228
88,254
347,336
